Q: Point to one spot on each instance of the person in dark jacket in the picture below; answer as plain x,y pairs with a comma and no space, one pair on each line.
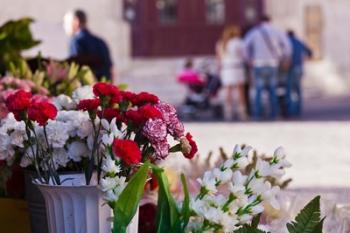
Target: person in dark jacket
294,90
85,48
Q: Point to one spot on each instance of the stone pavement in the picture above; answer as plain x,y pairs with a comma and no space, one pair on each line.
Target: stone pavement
318,145
319,151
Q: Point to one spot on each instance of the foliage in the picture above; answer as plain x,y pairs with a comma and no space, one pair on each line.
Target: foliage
57,78
15,36
249,229
308,220
126,205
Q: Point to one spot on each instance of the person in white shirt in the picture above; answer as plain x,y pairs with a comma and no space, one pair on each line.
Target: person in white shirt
266,49
230,53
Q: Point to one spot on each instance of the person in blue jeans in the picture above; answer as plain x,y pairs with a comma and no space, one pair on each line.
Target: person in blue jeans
265,78
265,47
294,89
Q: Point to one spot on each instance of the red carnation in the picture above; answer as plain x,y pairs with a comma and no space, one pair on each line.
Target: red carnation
109,114
134,116
145,98
41,112
18,101
88,104
129,96
105,89
149,112
127,150
188,141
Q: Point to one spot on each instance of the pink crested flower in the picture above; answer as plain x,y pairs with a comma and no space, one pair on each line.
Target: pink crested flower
175,127
161,149
155,130
168,111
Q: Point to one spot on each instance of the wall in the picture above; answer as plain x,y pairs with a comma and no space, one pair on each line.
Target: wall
334,68
105,19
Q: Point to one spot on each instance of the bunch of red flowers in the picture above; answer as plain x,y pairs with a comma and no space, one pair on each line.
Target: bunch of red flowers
149,120
26,107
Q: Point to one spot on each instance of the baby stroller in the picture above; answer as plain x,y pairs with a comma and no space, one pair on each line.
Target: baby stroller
202,92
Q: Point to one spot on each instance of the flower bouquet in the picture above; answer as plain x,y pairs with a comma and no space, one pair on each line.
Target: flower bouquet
104,133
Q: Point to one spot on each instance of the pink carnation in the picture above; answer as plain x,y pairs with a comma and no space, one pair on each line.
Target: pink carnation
168,111
155,130
161,149
175,127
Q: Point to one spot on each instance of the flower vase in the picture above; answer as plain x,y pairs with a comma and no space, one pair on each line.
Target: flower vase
75,207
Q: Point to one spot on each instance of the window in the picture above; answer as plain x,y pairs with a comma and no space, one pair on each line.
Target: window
215,11
167,11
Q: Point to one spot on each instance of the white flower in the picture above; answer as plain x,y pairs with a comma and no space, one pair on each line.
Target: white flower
57,133
60,157
111,131
242,162
110,195
245,218
107,139
257,209
271,197
85,129
112,187
77,150
228,164
222,176
109,166
228,222
279,158
237,150
63,102
108,183
208,182
84,92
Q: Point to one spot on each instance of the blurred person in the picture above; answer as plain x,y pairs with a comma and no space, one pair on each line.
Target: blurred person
231,59
195,83
294,90
85,48
267,49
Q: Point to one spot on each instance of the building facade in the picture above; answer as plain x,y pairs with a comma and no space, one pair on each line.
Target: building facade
322,24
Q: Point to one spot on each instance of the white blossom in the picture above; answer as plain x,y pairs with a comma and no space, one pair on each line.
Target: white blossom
84,92
112,187
57,133
77,150
63,102
60,157
208,182
109,166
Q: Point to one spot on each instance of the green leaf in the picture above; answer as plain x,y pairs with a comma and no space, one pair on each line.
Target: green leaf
167,214
249,229
123,86
128,201
318,228
308,220
256,221
186,211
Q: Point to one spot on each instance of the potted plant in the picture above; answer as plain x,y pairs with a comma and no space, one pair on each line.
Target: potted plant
107,135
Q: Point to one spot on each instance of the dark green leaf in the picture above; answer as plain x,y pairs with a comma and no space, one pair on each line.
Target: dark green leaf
249,229
186,212
128,201
308,220
167,213
256,221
